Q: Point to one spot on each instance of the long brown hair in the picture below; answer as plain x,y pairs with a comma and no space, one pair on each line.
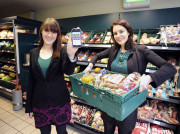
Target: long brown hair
50,24
129,44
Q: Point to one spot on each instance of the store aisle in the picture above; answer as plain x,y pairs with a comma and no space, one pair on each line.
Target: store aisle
16,122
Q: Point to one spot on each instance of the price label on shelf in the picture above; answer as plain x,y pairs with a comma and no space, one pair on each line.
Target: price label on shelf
164,47
156,122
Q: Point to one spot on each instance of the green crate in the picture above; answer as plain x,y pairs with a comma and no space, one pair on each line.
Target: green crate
95,32
114,105
150,33
169,44
137,32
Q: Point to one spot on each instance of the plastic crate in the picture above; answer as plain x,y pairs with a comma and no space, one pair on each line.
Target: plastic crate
150,33
114,105
96,32
171,44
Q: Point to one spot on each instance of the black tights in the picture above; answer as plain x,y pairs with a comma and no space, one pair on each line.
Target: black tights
61,129
124,127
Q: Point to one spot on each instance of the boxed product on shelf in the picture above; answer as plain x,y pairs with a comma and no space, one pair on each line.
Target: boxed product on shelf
149,36
117,102
156,129
159,111
108,38
141,128
85,36
83,55
170,35
97,36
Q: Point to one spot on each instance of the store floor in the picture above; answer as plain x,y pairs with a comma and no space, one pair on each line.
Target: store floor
16,122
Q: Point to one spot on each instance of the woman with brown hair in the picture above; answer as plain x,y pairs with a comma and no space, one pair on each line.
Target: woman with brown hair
48,99
126,57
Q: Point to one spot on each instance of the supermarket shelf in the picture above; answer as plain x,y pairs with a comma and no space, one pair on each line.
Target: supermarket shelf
163,124
85,128
80,100
7,61
6,70
6,93
176,101
6,39
96,64
7,51
97,45
164,48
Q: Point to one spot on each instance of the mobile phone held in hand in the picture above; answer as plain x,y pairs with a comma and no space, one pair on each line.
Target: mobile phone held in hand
76,37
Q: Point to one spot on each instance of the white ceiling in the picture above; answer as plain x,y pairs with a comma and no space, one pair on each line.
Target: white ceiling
15,7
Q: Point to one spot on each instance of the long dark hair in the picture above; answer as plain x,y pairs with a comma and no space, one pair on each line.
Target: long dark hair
129,44
50,24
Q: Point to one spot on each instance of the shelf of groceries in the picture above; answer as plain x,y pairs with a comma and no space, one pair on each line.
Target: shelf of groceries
95,127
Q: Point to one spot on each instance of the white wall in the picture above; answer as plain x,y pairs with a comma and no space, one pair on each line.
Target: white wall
99,7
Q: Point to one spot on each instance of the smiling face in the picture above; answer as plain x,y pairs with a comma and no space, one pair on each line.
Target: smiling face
120,34
49,37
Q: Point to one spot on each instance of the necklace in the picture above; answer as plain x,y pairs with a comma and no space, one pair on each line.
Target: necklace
121,58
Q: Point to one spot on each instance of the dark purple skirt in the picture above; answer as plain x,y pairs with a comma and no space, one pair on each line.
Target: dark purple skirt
49,115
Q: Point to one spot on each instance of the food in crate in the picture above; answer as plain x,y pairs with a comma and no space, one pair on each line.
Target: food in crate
115,83
151,40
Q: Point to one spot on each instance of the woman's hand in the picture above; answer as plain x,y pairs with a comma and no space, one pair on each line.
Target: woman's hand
145,80
29,115
88,68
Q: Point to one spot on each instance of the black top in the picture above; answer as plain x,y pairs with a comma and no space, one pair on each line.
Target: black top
138,59
51,89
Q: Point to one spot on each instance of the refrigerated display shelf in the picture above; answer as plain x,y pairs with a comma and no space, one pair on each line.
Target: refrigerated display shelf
175,101
7,61
7,51
85,128
6,70
161,123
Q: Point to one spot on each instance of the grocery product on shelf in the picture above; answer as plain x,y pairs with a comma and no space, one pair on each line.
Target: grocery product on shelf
141,128
98,122
108,38
96,37
155,110
170,34
83,55
151,40
82,114
156,129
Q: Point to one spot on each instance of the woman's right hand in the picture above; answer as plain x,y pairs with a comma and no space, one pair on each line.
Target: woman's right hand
29,115
88,68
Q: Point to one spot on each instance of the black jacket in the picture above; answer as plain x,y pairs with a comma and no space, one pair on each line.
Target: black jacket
138,59
51,89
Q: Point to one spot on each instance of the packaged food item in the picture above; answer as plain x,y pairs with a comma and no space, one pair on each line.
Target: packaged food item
156,129
131,81
141,128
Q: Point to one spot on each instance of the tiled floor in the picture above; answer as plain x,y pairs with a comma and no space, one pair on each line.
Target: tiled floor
16,122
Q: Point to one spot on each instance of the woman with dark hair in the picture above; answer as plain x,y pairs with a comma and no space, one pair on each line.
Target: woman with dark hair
126,57
48,99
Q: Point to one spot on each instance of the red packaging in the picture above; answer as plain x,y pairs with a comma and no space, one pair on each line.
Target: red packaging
141,128
155,129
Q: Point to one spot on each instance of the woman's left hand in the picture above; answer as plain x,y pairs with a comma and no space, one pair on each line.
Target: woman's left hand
70,49
145,80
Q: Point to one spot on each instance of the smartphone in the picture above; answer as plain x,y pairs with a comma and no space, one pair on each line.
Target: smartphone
76,37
